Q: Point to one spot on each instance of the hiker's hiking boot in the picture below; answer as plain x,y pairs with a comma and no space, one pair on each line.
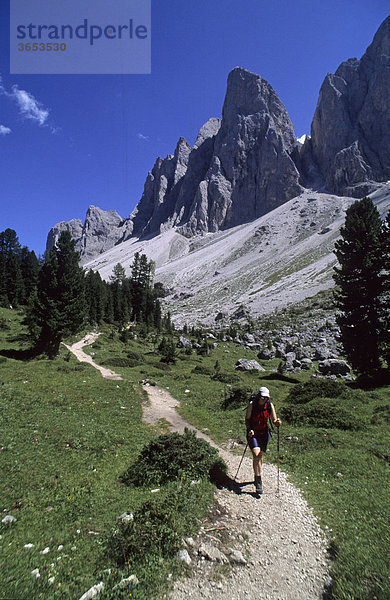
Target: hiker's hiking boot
258,485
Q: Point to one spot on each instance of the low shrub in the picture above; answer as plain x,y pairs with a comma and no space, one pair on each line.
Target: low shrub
202,370
171,456
158,526
120,361
4,325
317,388
313,439
380,449
135,356
80,367
238,398
321,412
162,366
381,415
226,377
3,359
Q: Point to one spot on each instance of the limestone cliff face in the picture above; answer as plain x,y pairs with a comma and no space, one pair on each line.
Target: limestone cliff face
252,168
100,232
350,133
75,227
238,169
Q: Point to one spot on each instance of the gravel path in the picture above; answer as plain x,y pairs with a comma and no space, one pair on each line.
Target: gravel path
76,349
269,548
283,550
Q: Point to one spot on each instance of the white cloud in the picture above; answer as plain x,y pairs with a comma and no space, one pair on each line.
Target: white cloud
29,107
4,130
141,136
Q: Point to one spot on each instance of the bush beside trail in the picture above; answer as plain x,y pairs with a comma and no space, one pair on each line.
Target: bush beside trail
171,456
158,526
317,388
321,412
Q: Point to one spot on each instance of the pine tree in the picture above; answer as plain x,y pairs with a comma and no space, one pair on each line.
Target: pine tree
118,274
29,268
359,281
96,297
142,294
109,308
11,280
59,309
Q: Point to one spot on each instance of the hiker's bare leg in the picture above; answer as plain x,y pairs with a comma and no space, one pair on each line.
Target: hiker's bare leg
257,461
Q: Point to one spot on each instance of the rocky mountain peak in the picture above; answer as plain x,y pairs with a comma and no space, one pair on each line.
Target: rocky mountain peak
381,43
207,131
249,162
350,134
249,94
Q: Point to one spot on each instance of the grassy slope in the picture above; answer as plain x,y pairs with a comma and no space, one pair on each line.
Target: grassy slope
44,415
66,435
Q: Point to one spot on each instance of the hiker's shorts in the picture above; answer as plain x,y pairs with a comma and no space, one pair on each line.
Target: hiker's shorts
259,440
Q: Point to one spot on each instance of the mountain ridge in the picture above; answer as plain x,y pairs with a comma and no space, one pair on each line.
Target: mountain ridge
248,165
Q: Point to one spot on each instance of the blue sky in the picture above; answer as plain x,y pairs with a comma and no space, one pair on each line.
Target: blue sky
70,141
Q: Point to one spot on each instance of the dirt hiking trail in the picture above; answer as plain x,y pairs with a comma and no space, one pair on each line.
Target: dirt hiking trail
76,349
269,547
283,550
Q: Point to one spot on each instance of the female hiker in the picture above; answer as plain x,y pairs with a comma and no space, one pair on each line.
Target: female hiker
259,411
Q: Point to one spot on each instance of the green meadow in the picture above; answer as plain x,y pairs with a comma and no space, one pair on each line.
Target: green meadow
67,436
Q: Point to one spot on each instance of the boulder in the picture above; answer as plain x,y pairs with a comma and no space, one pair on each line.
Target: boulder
184,342
212,553
267,353
183,556
334,366
243,364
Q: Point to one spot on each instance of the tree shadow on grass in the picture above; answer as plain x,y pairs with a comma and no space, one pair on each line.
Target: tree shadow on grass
279,377
28,354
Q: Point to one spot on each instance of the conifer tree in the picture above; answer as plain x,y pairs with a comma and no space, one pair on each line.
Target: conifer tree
142,294
29,268
96,297
360,284
59,309
109,307
18,270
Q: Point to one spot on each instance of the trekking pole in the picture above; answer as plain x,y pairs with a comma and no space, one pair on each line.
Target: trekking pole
242,458
278,459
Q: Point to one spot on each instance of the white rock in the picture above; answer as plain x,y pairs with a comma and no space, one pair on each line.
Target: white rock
133,579
125,517
51,580
45,551
60,547
35,573
190,541
183,556
93,591
27,546
237,557
8,520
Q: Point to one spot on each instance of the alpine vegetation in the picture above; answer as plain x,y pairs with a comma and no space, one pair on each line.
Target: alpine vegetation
362,287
